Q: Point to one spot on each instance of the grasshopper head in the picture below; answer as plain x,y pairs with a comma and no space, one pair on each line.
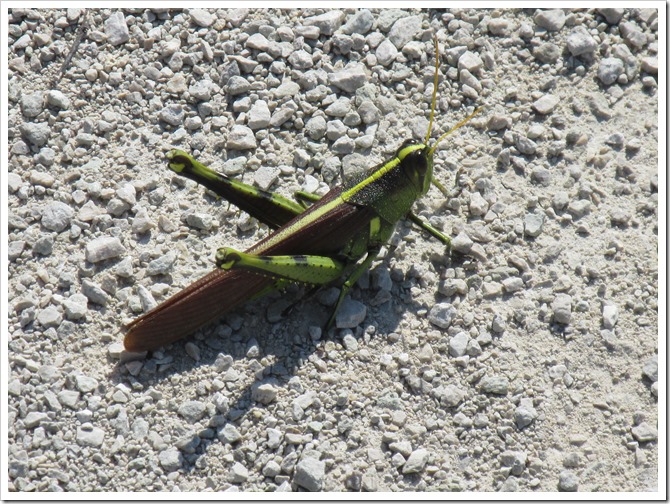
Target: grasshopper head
417,162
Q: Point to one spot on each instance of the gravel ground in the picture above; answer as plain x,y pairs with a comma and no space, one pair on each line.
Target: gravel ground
525,361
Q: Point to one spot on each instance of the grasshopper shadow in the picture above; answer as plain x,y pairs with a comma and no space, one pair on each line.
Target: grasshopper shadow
269,353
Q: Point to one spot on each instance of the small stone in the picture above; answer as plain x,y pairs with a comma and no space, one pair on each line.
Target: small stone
650,369
328,23
547,53
68,398
580,42
579,208
49,317
350,78
515,460
568,482
494,384
238,473
92,436
229,434
525,413
458,344
57,99
170,459
361,22
202,17
533,224
32,104
162,265
386,53
546,104
172,115
241,138
632,35
442,315
462,243
450,395
34,418
644,432
611,15
499,27
512,284
650,65
309,474
201,221
562,308
416,462
264,393
76,307
94,293
56,216
550,20
609,70
116,29
351,314
36,133
610,316
192,411
404,30
259,115
471,62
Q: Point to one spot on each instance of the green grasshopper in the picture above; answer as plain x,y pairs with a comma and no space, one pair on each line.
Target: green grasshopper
337,237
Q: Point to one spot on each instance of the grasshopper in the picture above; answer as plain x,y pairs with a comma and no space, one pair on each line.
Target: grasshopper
338,236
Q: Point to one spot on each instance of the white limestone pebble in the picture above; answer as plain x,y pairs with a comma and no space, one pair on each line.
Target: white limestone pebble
103,248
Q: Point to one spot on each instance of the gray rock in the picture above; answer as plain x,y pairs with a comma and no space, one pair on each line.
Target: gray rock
328,23
57,99
199,221
241,138
562,308
36,133
85,384
610,316
116,29
458,344
568,482
404,30
644,432
471,62
611,15
547,53
301,60
499,27
550,20
238,85
32,104
56,216
259,115
361,22
34,418
90,436
494,384
264,393
192,411
609,70
632,35
462,243
579,208
309,474
229,434
442,315
449,395
49,317
650,369
202,17
351,314
162,265
515,460
546,104
580,42
416,462
525,413
69,398
316,128
350,78
94,293
172,114
170,459
76,307
238,473
386,53
533,223
103,248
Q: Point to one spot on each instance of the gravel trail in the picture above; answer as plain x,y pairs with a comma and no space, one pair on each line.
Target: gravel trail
527,360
